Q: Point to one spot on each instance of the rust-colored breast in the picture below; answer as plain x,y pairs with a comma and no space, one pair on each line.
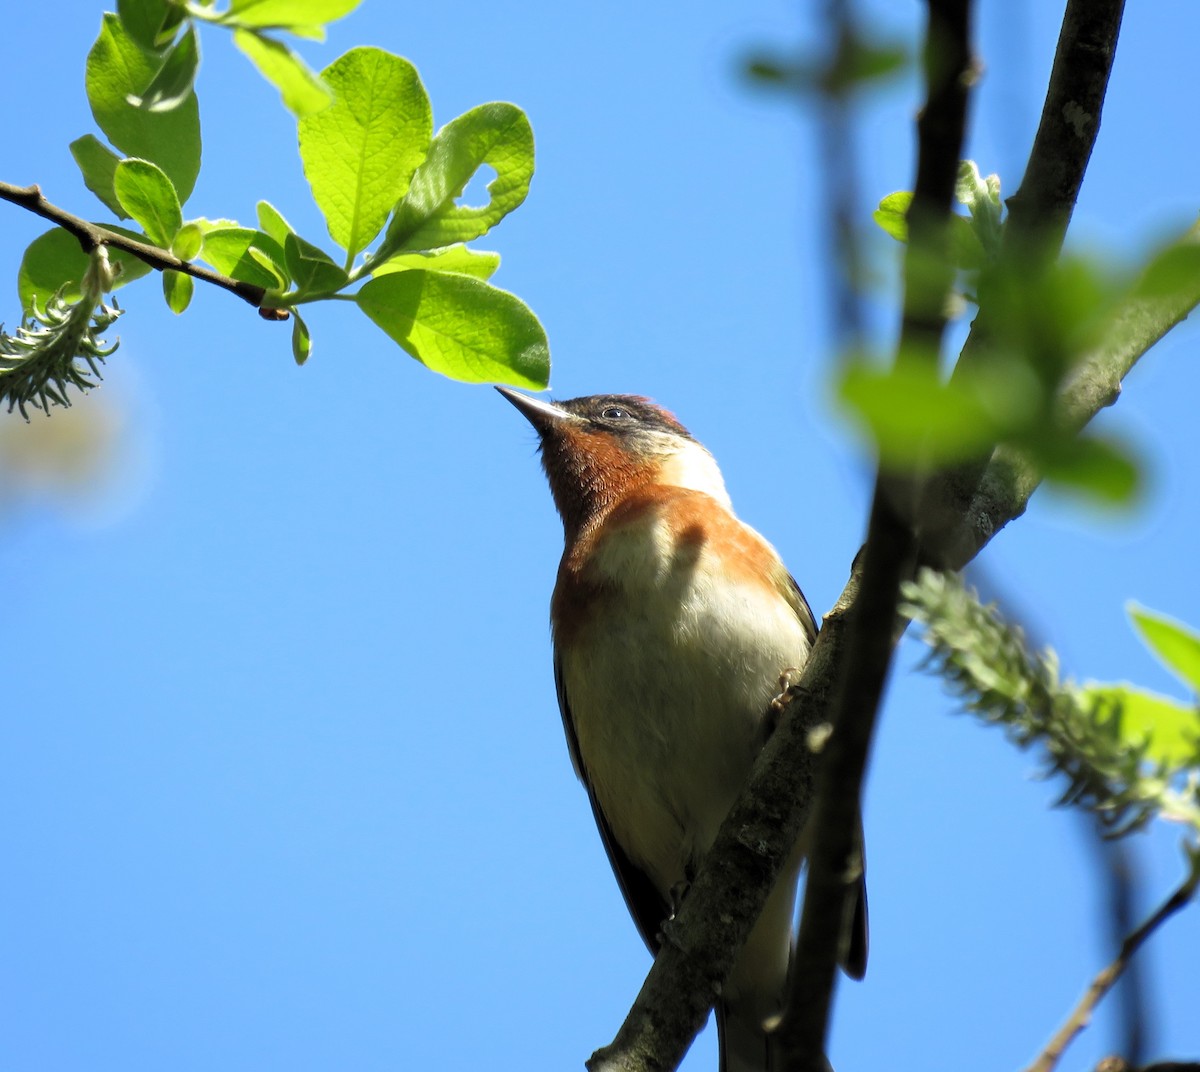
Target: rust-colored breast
690,526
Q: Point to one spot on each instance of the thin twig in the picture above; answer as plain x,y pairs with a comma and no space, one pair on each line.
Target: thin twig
91,235
1103,982
1119,872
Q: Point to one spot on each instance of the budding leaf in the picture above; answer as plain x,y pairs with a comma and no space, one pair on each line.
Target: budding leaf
146,194
271,220
231,251
301,339
892,214
313,269
177,289
188,242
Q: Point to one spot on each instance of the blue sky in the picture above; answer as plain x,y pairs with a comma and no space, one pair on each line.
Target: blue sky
282,782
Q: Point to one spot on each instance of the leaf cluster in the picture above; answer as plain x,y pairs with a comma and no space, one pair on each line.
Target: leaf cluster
1039,318
1128,755
374,165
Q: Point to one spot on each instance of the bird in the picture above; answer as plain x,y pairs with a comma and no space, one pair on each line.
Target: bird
673,624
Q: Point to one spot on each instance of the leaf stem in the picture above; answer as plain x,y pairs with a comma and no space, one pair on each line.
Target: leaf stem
91,235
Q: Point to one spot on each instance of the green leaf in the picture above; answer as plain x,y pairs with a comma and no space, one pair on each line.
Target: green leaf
459,258
1177,645
301,339
188,242
875,60
966,249
913,416
146,194
271,220
1175,269
117,68
313,269
177,289
360,152
302,91
461,327
497,134
892,214
1170,729
146,20
97,162
230,250
1100,468
288,13
170,87
55,260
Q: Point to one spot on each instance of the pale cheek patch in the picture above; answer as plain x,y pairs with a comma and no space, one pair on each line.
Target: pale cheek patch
691,466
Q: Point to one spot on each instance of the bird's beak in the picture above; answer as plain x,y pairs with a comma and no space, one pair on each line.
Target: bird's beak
542,415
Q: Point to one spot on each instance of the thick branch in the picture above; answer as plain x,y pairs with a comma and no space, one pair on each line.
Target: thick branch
1104,982
1040,210
91,235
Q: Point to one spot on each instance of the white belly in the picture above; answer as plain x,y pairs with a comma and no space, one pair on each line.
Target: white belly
669,686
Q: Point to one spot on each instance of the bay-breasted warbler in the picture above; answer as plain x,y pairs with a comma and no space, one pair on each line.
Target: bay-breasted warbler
673,623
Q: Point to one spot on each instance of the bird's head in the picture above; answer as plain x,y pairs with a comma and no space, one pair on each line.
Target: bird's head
599,448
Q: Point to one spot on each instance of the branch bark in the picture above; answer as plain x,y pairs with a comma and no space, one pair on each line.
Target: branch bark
1040,211
91,235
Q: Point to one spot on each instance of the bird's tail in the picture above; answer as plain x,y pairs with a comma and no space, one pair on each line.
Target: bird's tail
743,1040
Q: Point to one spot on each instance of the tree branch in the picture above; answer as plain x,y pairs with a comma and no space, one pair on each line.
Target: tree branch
1011,478
91,235
1103,983
889,557
1040,210
700,944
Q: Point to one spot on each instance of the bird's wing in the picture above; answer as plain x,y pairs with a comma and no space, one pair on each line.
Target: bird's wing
647,907
808,620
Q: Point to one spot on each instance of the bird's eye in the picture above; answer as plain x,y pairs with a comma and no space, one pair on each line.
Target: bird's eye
615,413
